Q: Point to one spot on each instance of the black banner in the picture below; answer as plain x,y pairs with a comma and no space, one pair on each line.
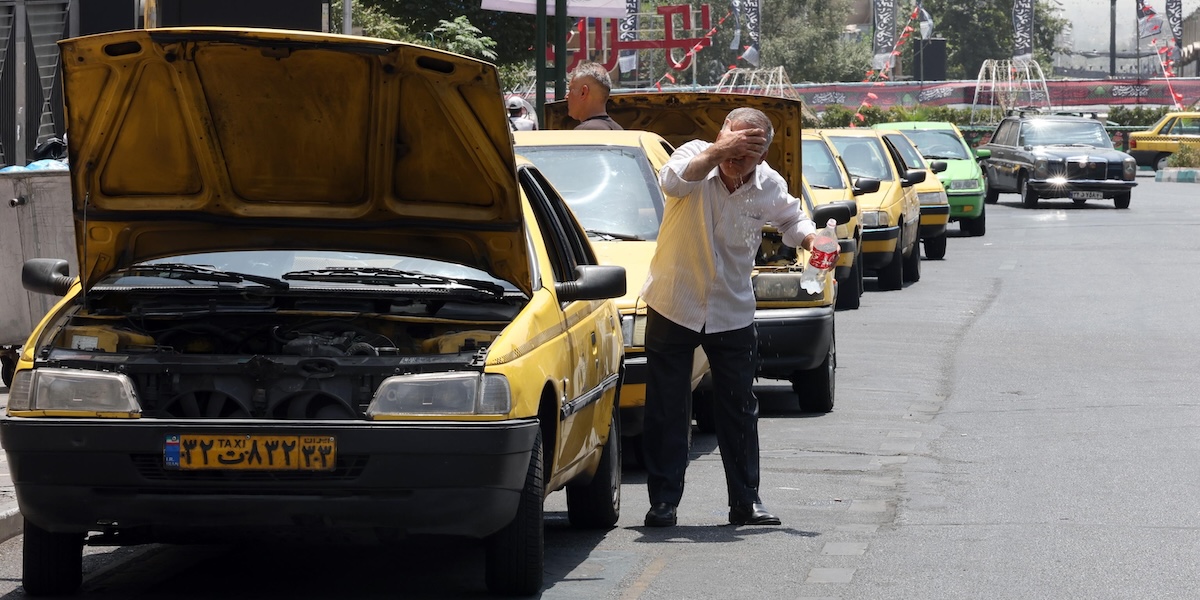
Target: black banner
1022,17
1175,20
628,60
885,34
751,11
1148,22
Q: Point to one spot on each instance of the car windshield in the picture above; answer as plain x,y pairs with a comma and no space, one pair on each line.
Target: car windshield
938,144
299,269
912,158
864,157
613,190
1050,132
819,166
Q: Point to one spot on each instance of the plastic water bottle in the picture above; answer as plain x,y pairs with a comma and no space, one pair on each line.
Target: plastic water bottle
820,259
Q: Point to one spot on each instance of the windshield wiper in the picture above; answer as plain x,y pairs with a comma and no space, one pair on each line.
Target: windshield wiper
190,272
625,237
819,186
384,275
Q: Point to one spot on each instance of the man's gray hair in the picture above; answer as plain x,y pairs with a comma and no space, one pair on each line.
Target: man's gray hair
595,71
753,117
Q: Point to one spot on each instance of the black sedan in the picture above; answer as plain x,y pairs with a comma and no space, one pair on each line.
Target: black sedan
1043,156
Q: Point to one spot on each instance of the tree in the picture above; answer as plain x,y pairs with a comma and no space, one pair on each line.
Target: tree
514,33
374,21
982,29
462,37
808,38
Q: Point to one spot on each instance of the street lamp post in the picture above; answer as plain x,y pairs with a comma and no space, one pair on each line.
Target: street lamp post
1112,40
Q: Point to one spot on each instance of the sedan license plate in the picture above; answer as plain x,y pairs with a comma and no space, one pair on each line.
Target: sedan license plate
1087,195
250,452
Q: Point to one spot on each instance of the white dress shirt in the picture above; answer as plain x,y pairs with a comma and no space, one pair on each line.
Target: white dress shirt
700,274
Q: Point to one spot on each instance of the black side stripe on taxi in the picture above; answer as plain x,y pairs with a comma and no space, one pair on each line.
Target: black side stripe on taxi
589,397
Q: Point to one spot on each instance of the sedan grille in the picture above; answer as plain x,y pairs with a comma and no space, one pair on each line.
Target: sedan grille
1087,170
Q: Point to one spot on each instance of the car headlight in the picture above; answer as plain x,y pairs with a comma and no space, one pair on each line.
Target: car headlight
963,184
780,286
938,197
633,329
458,393
874,218
1040,169
73,392
1130,168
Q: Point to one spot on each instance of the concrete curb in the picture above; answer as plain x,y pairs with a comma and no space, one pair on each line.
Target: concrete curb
1178,175
11,522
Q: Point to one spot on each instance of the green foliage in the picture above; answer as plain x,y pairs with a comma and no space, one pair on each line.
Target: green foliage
1187,157
1138,116
375,22
842,116
806,38
981,30
461,37
514,33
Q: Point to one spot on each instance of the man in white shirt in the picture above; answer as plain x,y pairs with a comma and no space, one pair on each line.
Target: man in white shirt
699,292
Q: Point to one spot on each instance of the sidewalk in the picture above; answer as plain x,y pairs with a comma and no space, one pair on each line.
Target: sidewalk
10,518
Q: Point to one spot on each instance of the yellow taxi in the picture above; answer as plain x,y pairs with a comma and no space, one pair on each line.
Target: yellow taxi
320,296
890,216
931,193
795,328
828,182
1152,147
610,181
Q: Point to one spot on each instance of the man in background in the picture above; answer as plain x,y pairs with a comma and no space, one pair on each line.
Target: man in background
587,97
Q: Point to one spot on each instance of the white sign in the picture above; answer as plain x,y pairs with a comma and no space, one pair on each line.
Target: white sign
608,9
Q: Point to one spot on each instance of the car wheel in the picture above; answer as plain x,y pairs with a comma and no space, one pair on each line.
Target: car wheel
891,277
51,563
1121,200
1161,163
977,226
8,367
815,388
516,554
912,264
850,291
935,247
1028,196
991,195
704,410
597,504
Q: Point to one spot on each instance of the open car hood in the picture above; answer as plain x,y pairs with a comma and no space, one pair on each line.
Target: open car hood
681,117
209,139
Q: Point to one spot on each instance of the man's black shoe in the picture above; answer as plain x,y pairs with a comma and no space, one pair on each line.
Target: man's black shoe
751,514
661,515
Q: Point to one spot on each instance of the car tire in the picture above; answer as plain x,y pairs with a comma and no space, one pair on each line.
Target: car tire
849,294
991,195
1160,163
891,277
8,368
597,504
976,227
704,409
935,247
1028,196
912,264
51,563
816,388
1122,200
516,554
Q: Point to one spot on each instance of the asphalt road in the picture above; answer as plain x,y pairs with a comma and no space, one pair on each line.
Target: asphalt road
1021,423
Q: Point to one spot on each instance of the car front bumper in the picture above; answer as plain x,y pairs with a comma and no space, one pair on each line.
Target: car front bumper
792,339
934,218
965,206
446,478
1058,189
878,246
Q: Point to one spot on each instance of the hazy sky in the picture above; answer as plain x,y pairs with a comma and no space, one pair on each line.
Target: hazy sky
1091,20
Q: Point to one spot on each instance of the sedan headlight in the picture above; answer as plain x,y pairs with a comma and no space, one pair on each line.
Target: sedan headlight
1130,171
458,393
874,218
1040,169
633,329
780,286
73,392
964,184
938,197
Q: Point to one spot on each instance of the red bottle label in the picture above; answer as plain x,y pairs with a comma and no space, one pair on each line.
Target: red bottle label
821,260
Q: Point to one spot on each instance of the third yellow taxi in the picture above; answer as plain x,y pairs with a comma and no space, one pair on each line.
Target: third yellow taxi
931,194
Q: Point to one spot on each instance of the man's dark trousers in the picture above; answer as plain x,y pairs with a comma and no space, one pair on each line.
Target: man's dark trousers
731,356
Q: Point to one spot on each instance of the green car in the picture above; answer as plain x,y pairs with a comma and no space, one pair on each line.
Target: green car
963,179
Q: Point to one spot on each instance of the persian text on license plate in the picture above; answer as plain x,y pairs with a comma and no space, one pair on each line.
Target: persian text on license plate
1086,195
250,452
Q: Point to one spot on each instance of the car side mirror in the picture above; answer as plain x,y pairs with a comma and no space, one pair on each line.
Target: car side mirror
913,177
865,185
593,282
46,276
937,166
839,211
981,153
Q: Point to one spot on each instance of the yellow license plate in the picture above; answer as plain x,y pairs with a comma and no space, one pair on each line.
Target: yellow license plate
250,452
